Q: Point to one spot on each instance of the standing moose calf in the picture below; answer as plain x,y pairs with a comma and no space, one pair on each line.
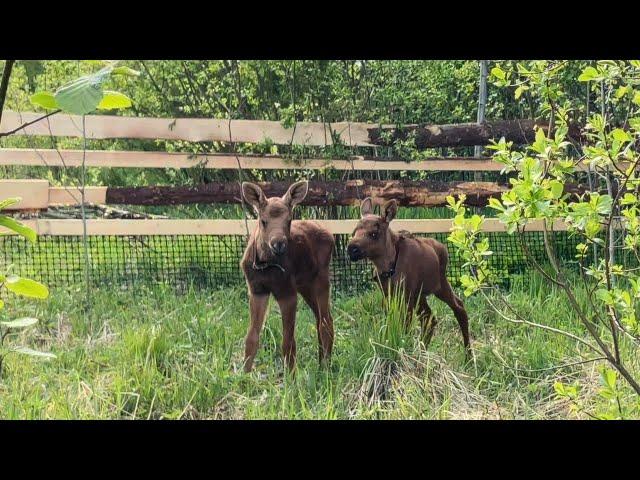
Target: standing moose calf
284,258
420,263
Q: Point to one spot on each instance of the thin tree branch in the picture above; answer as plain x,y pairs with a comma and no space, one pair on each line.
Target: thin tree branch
25,125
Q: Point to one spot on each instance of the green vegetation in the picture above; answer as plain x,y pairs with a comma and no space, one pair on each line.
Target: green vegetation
150,353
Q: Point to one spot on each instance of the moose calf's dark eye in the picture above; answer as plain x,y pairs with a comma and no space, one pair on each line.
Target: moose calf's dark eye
264,223
374,235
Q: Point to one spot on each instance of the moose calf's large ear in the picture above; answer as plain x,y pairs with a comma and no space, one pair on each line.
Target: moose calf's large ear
389,210
254,195
296,193
366,207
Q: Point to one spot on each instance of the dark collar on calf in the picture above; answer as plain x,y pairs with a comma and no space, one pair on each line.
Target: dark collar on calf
257,265
389,273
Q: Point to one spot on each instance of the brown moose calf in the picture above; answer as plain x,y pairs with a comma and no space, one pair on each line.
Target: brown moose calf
419,263
284,258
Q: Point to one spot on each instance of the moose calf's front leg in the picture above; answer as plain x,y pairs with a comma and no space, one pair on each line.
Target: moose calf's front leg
288,306
258,310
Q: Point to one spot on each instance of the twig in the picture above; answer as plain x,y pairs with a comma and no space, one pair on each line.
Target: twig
25,125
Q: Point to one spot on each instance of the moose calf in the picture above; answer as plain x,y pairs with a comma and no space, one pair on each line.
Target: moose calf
419,263
284,258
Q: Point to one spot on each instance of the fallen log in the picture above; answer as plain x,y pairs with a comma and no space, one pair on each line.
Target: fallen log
426,193
465,134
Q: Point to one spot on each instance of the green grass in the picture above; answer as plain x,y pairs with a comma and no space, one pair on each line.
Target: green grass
156,354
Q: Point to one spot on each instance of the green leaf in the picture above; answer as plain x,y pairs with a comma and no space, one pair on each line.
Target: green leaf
114,100
588,74
495,203
7,202
556,188
26,287
44,100
608,377
621,135
621,91
83,95
18,227
1,304
636,98
20,322
129,72
31,352
520,90
498,73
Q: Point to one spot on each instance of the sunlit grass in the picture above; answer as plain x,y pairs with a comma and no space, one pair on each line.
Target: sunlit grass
152,353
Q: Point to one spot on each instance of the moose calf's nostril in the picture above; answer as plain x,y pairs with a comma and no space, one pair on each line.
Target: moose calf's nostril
279,247
353,251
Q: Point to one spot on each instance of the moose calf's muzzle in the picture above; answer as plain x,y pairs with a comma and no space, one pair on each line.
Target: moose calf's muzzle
279,246
354,253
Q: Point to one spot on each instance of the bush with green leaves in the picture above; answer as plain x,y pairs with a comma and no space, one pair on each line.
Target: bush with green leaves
20,286
605,219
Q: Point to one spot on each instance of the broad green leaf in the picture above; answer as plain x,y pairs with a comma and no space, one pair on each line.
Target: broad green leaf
130,72
26,287
114,100
1,304
32,68
31,352
83,95
636,98
44,100
621,135
20,322
608,377
7,202
556,188
498,73
588,74
520,90
621,91
18,227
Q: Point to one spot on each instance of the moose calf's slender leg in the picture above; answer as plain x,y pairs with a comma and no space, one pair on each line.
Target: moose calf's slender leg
318,301
288,306
428,321
447,295
258,310
324,323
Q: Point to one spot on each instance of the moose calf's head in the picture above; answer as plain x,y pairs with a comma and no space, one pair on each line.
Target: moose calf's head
274,214
371,237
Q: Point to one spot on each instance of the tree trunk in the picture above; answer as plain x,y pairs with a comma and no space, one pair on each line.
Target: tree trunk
465,134
4,83
408,193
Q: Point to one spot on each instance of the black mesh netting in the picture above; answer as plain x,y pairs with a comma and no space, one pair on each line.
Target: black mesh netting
212,262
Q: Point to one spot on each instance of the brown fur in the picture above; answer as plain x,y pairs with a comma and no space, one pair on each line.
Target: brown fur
421,265
306,271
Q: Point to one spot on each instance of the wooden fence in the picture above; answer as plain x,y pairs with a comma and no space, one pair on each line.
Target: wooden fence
38,194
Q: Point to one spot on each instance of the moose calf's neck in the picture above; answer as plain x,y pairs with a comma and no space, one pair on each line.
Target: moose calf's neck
384,262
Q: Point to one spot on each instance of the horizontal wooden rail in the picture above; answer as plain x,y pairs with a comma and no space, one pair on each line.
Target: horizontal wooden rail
73,227
132,159
190,129
38,195
256,131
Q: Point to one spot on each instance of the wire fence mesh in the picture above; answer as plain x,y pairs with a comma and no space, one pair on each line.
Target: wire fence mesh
212,262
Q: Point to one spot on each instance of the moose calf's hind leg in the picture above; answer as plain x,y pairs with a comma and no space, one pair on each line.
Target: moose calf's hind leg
428,323
257,310
447,295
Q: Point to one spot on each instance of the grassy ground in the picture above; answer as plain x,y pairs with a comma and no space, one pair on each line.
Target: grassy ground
156,354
